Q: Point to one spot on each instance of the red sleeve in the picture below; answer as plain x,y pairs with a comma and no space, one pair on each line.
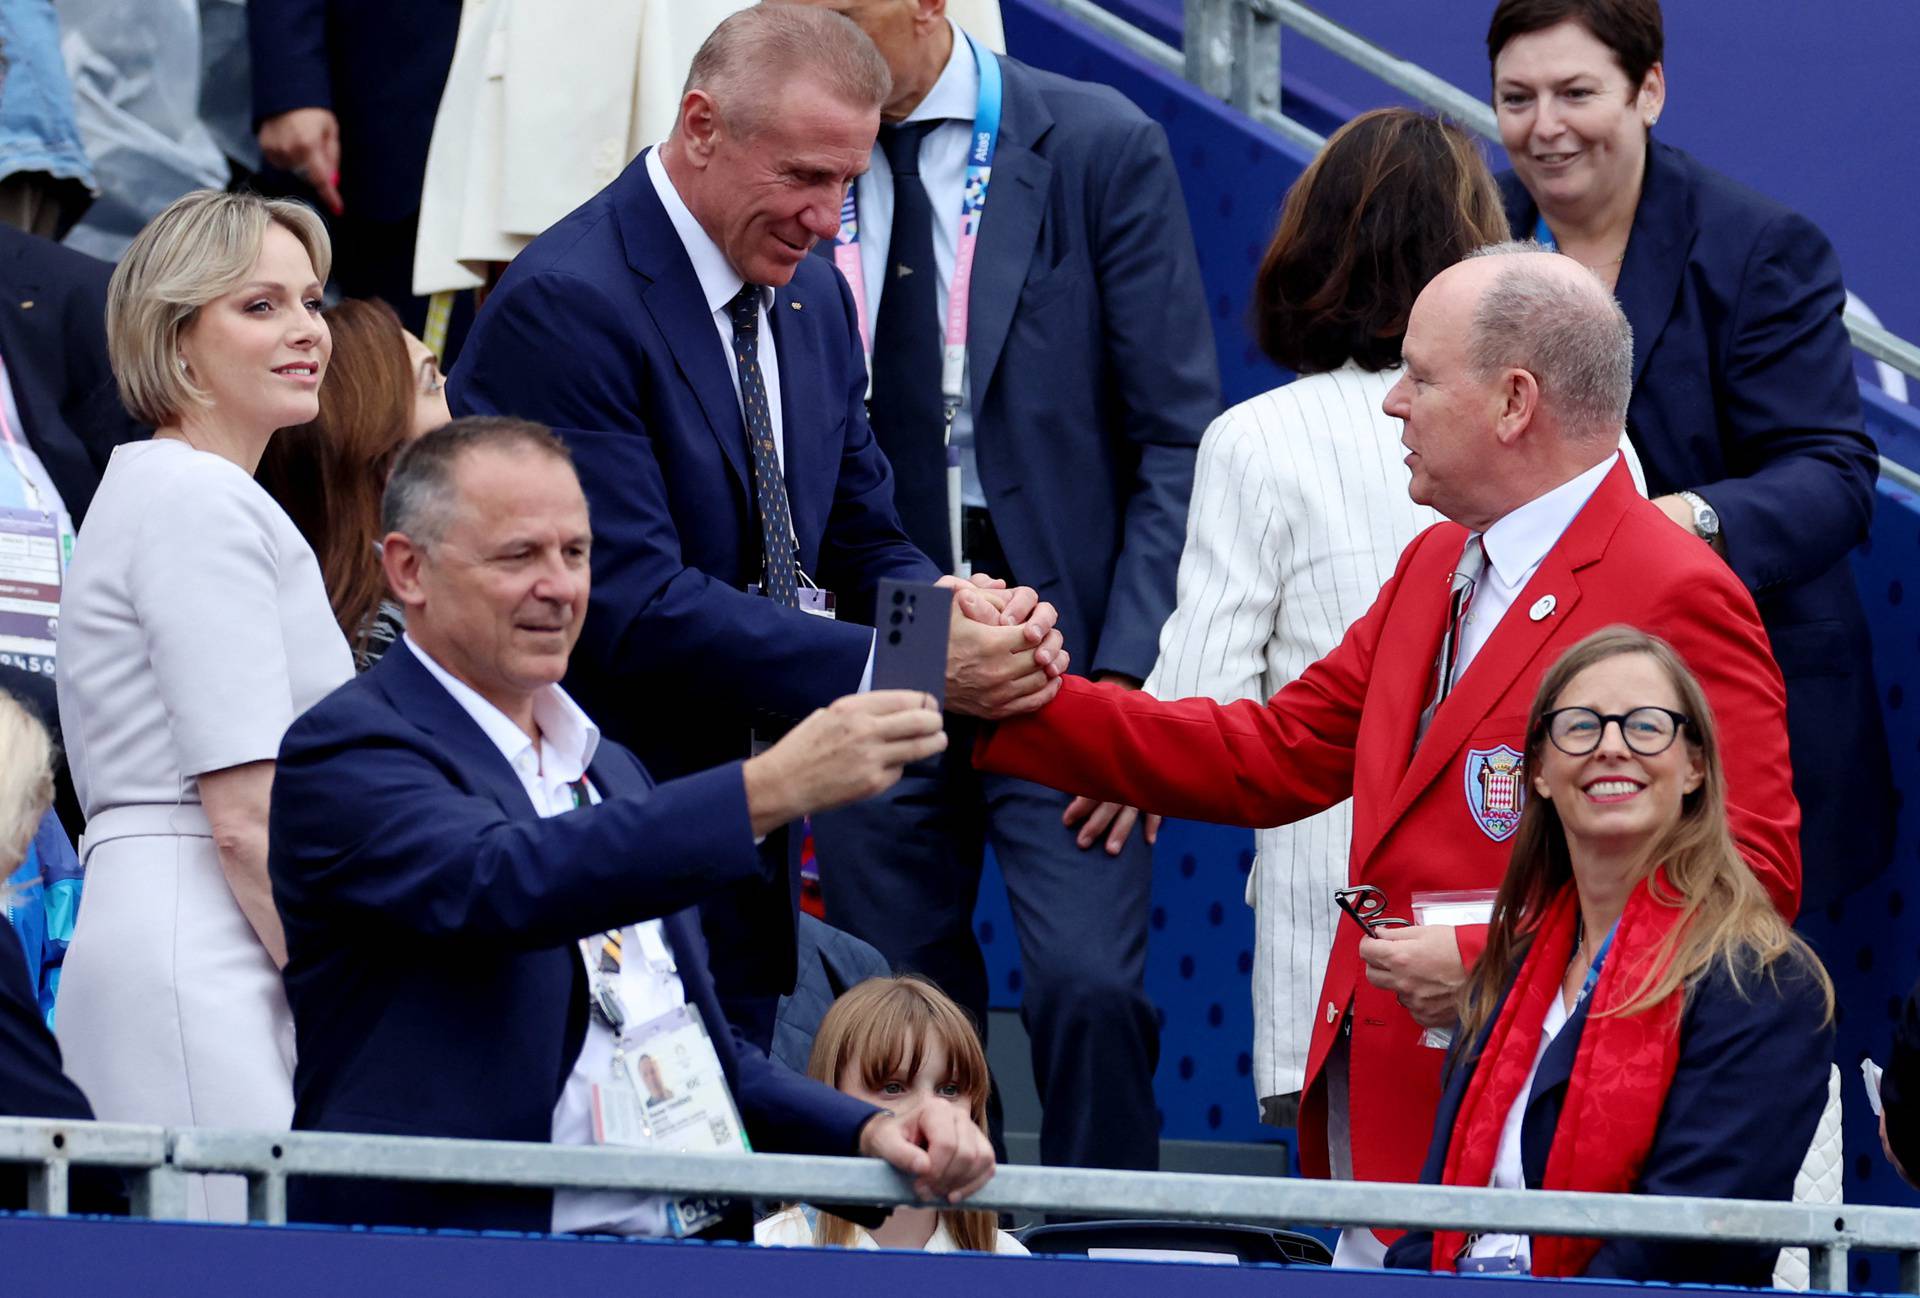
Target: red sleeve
1241,763
1717,630
1472,940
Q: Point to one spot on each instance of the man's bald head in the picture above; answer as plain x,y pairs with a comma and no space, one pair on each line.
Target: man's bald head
1539,311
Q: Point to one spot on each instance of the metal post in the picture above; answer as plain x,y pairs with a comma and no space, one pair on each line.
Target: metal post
160,1194
47,1188
1910,1272
1256,58
1827,1268
1208,43
267,1197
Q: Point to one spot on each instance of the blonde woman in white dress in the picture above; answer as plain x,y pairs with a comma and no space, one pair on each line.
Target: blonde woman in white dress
194,628
1300,508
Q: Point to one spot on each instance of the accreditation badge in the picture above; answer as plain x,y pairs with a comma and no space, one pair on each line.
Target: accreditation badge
669,1093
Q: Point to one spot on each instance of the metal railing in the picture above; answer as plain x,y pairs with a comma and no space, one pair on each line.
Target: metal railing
160,1159
1231,50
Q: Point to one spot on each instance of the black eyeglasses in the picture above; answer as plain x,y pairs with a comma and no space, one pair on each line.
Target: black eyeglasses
1647,731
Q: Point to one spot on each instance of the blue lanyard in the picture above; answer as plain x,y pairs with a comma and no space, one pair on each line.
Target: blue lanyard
1543,236
1593,970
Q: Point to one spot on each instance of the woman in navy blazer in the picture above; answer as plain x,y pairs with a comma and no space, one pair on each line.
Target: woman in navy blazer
1642,1020
1745,409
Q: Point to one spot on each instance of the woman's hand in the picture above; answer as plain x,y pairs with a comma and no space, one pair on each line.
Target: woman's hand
235,800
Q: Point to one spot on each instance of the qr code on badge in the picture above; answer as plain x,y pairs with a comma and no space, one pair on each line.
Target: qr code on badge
719,1127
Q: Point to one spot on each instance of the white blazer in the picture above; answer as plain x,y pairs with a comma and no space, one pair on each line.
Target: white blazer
546,102
1299,513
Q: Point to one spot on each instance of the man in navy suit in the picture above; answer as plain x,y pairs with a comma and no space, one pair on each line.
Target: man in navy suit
344,97
488,907
1075,422
707,375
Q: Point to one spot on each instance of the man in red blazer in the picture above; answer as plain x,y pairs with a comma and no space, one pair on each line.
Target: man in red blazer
1518,370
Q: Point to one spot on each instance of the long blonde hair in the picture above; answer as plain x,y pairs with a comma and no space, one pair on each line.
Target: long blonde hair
1727,917
880,1029
26,785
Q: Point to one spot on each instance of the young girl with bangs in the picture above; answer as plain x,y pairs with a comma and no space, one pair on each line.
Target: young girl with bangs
899,1043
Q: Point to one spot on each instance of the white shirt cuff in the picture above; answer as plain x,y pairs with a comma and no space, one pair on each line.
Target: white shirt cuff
866,674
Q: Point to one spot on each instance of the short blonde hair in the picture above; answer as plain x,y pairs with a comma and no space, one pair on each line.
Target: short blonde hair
201,247
26,781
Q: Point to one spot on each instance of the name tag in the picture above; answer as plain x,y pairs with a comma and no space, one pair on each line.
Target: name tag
668,1092
29,588
813,600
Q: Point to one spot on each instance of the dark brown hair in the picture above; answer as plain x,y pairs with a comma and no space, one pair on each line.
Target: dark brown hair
1632,29
1393,199
1727,917
879,1029
328,474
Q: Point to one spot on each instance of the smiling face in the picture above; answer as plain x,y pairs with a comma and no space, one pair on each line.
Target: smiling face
261,350
766,191
498,600
933,1083
1613,799
1574,128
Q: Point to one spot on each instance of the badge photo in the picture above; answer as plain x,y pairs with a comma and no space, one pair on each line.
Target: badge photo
1496,790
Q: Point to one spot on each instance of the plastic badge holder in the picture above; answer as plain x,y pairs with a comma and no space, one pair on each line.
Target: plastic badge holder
1451,907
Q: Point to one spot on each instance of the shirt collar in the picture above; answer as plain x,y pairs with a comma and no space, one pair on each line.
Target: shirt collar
569,735
1518,541
720,283
956,95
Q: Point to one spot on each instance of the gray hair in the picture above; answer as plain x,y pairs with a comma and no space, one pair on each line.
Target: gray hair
1565,330
202,247
26,784
752,55
419,499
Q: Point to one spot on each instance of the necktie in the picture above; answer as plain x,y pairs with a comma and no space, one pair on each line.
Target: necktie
906,412
1473,561
769,485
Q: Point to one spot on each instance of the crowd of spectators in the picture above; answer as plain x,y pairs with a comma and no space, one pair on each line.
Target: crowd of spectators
441,752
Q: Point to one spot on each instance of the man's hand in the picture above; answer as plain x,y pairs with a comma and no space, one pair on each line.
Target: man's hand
990,601
306,142
1113,819
1420,964
995,672
851,749
937,1145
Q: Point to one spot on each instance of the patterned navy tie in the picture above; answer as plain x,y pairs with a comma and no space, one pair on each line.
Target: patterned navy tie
769,485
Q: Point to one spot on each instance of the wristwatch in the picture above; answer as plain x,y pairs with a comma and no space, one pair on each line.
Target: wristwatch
1706,523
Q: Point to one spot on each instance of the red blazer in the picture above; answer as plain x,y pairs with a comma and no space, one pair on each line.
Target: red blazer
1438,817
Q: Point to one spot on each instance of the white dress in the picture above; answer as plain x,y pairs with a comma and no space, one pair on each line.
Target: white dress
194,628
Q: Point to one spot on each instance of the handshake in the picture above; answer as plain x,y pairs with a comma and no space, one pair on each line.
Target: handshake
1004,657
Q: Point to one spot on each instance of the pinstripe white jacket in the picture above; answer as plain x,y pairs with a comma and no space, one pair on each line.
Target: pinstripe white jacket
1299,512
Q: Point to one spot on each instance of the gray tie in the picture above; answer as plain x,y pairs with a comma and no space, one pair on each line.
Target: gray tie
1466,575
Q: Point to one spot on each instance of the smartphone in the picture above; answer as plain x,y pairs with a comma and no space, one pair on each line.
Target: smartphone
910,648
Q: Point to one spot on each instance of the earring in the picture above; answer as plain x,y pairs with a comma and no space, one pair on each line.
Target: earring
181,361
1653,121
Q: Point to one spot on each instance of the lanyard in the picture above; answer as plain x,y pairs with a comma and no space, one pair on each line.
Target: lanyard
1593,970
984,144
28,487
1543,236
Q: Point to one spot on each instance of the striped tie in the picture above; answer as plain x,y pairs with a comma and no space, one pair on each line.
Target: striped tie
1473,561
769,484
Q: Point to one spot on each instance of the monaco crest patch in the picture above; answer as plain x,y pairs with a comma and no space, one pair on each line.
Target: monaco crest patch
1496,790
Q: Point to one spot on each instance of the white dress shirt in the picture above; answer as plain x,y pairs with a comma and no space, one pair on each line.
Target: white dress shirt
721,283
547,769
943,172
1516,544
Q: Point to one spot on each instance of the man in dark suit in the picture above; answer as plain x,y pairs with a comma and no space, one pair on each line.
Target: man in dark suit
62,418
706,372
488,907
1072,379
344,97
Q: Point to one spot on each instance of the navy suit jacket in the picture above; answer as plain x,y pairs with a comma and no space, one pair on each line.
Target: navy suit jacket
1744,392
1746,1096
600,330
379,66
1087,406
432,922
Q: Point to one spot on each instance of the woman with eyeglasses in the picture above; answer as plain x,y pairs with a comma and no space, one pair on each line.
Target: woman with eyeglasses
1642,1020
383,389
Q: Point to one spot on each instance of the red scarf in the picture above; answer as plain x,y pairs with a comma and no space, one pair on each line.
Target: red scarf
1621,1073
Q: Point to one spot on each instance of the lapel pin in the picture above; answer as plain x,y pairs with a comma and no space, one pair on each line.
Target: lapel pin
27,305
1542,608
794,305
